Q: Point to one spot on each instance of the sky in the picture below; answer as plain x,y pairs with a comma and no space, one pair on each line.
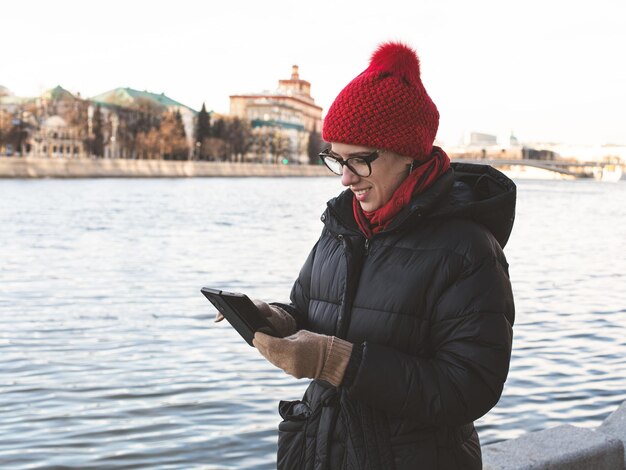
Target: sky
548,71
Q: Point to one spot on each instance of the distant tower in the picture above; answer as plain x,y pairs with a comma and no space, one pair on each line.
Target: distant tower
513,140
290,110
294,73
295,86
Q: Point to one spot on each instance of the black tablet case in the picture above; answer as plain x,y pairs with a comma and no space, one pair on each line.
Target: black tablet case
240,312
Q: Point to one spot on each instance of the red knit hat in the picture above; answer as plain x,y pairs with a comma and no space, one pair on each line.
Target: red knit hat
386,106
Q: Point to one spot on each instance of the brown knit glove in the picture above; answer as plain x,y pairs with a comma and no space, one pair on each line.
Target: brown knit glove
307,354
284,323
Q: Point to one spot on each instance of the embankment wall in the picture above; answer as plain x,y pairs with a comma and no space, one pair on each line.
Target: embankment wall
563,447
28,167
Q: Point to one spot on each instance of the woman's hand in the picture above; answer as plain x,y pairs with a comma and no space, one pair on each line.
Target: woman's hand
282,322
307,354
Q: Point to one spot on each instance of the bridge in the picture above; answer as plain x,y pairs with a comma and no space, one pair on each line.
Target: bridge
576,170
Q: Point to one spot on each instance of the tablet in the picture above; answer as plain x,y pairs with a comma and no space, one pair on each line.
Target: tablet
240,312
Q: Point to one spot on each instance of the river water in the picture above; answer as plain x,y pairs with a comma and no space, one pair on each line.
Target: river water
109,357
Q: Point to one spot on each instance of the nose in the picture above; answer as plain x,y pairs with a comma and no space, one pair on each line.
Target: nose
348,177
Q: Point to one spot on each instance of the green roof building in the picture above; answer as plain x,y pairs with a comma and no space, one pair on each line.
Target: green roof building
128,97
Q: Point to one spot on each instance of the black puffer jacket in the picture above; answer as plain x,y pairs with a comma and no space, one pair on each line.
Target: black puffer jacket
429,308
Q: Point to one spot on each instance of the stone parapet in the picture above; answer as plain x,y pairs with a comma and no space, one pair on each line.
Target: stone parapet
29,167
564,447
615,426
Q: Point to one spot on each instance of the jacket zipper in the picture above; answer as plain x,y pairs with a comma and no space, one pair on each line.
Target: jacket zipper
353,276
345,310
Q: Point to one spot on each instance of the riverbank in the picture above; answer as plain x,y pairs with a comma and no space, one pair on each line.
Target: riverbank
30,167
35,167
564,447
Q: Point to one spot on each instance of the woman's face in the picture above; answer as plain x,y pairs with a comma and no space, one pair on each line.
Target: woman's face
388,172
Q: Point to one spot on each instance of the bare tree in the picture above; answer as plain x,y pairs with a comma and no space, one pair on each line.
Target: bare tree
5,128
173,139
239,136
279,145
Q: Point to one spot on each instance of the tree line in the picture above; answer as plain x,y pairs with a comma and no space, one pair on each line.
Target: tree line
145,130
230,138
13,133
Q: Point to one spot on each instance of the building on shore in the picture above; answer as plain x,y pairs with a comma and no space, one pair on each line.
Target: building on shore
480,145
60,132
120,100
34,126
606,153
54,138
288,113
480,139
121,123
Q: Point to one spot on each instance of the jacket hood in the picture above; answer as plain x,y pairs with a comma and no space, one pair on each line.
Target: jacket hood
483,194
476,192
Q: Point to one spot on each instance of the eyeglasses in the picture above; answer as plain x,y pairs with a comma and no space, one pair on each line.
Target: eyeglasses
360,165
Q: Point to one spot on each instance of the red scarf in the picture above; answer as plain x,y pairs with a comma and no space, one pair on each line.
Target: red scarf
417,182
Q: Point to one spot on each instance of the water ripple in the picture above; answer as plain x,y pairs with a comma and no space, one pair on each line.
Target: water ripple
109,357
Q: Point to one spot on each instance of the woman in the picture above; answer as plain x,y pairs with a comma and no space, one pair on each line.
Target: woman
403,310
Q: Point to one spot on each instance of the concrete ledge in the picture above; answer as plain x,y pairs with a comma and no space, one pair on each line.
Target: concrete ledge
29,167
561,448
615,426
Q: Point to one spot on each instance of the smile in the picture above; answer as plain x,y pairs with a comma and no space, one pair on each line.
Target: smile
360,193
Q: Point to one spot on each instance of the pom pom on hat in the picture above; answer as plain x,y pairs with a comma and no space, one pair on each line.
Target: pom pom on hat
386,106
397,59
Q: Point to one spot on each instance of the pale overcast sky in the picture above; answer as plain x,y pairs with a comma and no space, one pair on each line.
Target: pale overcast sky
548,70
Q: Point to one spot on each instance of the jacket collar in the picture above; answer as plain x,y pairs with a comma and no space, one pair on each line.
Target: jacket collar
469,191
339,217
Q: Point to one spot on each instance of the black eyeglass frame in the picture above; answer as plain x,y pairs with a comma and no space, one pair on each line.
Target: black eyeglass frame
368,159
